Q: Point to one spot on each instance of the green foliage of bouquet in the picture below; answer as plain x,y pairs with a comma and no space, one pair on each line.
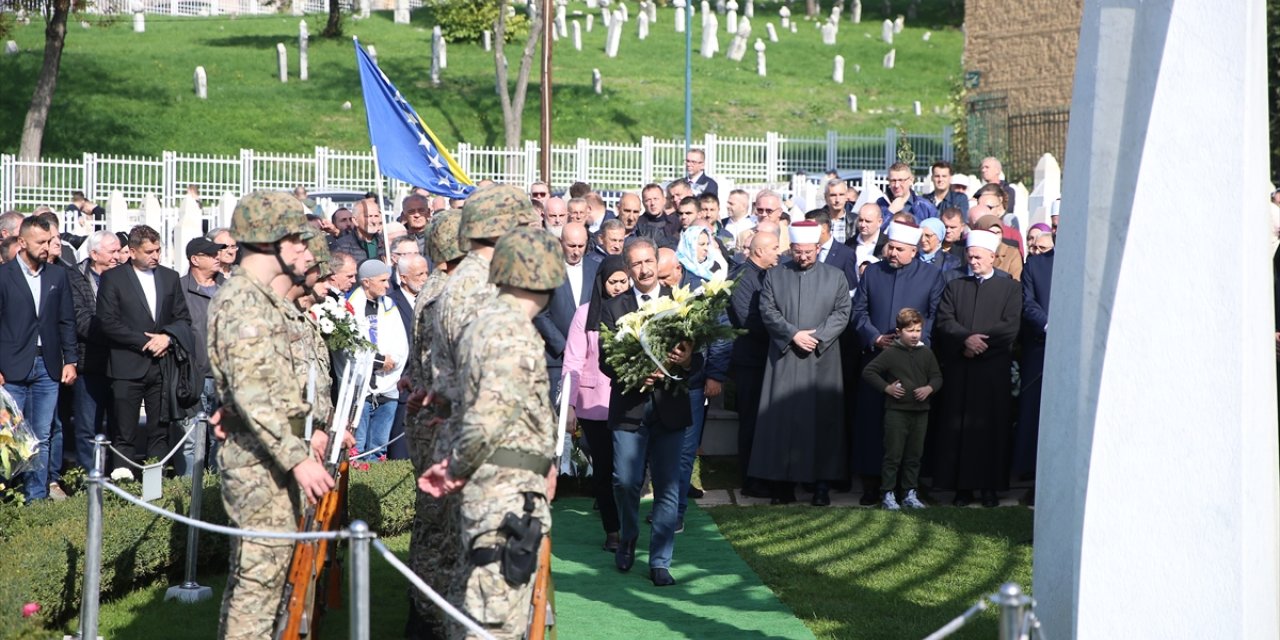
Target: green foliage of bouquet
337,321
18,443
639,345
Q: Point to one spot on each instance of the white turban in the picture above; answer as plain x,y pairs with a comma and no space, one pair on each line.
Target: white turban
984,239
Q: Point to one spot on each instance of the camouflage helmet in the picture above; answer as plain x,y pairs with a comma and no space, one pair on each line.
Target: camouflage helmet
442,237
492,211
529,259
267,217
320,249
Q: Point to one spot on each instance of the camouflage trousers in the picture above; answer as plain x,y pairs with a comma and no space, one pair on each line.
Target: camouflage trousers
261,498
502,609
433,542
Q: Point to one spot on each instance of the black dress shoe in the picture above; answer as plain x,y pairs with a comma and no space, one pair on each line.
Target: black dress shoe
989,498
611,542
695,492
963,498
821,498
661,577
625,556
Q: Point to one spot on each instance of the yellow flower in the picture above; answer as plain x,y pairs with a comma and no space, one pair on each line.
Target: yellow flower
681,294
715,287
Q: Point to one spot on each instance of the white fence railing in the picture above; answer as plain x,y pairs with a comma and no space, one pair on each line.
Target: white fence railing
606,166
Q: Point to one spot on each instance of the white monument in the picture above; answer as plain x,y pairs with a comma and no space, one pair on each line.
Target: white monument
303,37
853,103
731,17
773,33
282,61
577,36
760,62
680,17
597,84
401,15
855,11
437,62
890,58
886,32
488,40
139,22
10,48
785,14
837,72
738,47
642,26
613,38
750,9
118,216
828,34
1157,494
711,37
201,84
898,24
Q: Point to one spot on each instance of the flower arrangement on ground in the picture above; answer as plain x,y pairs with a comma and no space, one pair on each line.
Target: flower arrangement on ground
337,322
18,443
639,345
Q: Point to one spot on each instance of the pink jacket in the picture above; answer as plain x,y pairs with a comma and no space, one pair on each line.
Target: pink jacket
588,388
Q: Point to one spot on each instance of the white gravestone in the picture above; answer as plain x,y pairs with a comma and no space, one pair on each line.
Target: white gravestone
299,7
606,18
488,40
373,54
202,84
1198,557
927,35
855,12
11,48
738,48
303,37
364,9
731,17
750,9
793,28
760,62
437,55
139,22
642,26
402,12
916,105
577,36
828,33
710,41
282,60
853,103
118,216
889,58
773,33
613,37
561,28
886,32
652,10
898,24
597,84
680,19
785,14
444,53
744,23
624,12
593,4
591,21
837,72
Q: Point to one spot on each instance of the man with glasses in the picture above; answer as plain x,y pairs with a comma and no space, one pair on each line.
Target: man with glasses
228,257
694,164
902,198
414,215
539,191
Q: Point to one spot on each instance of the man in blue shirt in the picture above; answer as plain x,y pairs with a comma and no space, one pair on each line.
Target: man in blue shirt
901,198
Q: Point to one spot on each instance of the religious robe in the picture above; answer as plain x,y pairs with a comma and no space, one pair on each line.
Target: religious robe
883,291
800,427
971,439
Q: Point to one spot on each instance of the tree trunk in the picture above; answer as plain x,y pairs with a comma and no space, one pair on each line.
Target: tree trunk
811,8
334,27
513,104
55,38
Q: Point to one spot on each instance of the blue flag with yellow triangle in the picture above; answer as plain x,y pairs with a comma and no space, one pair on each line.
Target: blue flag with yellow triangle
407,149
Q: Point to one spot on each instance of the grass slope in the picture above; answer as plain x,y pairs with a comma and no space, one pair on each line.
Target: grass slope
126,93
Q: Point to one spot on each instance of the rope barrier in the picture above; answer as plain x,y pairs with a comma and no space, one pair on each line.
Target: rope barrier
227,531
429,592
176,448
959,621
376,449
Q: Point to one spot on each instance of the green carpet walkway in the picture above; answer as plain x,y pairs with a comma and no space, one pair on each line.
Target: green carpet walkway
716,595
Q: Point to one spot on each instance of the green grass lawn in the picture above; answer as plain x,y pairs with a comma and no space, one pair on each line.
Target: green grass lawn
126,93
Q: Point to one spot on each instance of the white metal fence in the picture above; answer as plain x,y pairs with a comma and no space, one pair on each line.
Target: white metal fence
606,166
204,8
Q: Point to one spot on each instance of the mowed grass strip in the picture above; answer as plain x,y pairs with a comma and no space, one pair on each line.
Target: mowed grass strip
868,573
126,93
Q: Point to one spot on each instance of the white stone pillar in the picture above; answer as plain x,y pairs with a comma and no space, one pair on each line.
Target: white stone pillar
1157,498
282,61
201,83
139,22
303,37
837,71
886,31
597,84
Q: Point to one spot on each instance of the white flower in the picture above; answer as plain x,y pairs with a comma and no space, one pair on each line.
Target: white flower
326,326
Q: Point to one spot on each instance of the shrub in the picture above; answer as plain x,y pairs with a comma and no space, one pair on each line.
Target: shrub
466,20
44,553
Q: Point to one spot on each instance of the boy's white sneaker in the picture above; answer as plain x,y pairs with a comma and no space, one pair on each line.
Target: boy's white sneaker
912,501
890,502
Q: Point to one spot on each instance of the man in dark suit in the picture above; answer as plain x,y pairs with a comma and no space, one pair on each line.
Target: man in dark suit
835,253
553,322
38,340
140,306
647,426
407,280
694,163
1037,275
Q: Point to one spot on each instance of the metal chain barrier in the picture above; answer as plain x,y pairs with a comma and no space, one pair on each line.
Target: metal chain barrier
163,461
1018,619
429,592
374,450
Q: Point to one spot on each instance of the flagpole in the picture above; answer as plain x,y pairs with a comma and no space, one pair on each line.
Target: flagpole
377,174
545,134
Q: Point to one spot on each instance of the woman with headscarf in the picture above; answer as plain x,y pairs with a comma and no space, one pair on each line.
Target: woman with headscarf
697,258
589,388
932,233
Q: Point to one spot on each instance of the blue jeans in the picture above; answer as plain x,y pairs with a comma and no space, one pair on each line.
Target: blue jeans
692,440
92,411
375,424
208,404
662,449
37,395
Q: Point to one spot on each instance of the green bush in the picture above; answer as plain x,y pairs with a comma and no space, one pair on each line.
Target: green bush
44,551
466,20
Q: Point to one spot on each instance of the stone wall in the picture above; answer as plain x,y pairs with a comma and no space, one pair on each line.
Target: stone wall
1025,49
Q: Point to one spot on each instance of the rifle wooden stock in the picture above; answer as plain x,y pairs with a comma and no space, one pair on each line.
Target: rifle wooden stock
315,573
542,620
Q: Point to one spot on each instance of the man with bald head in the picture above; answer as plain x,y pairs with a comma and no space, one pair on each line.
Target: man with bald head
670,271
990,172
751,348
554,215
868,242
554,320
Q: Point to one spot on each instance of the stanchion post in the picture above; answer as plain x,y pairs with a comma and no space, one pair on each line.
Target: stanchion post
360,537
1013,604
92,583
190,591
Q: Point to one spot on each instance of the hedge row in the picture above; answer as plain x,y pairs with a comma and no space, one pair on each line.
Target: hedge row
42,546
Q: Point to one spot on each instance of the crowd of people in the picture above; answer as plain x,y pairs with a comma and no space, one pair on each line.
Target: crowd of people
876,347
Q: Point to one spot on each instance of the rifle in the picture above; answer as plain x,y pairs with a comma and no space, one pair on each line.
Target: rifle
542,618
315,576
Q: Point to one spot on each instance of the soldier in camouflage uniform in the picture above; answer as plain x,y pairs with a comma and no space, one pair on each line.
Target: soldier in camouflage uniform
433,542
501,460
264,461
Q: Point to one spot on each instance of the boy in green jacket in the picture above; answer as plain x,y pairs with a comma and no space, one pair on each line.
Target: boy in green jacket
909,374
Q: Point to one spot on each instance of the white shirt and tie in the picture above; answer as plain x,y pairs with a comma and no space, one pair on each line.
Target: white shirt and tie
574,272
148,281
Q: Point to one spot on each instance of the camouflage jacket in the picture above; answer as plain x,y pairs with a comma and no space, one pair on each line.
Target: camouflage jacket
252,333
313,355
418,368
467,289
504,395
